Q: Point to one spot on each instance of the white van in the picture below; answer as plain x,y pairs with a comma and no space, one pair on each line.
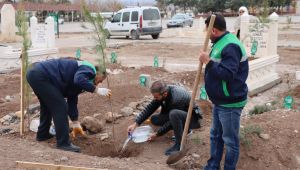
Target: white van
134,22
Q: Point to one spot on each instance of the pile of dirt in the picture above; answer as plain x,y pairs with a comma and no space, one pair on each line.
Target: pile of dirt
281,150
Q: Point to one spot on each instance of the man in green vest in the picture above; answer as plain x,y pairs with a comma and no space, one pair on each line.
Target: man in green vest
57,84
226,73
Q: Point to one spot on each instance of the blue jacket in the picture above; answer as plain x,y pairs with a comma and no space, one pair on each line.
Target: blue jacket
231,70
70,79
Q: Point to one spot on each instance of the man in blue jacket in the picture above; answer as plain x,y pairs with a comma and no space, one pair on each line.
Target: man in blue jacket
54,80
226,73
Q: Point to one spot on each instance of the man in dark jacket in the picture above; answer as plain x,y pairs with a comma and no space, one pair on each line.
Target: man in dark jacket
54,80
174,103
226,73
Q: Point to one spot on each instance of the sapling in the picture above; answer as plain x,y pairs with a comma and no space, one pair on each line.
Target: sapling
100,35
21,22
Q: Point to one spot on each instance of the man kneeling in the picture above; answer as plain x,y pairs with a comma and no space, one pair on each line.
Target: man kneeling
174,103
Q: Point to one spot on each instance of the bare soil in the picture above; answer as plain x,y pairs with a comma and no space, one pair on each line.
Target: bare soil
289,56
281,151
261,154
293,37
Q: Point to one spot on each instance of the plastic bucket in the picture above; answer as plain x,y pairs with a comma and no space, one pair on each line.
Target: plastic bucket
298,75
141,134
34,124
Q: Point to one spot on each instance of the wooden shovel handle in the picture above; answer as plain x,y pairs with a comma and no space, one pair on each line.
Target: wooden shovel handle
196,84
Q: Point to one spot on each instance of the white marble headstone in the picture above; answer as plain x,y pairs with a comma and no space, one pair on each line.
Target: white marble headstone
8,28
42,35
259,39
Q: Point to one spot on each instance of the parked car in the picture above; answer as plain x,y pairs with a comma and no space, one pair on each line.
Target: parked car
180,20
134,22
190,14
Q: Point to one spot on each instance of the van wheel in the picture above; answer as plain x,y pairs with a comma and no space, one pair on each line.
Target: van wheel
134,35
155,36
127,36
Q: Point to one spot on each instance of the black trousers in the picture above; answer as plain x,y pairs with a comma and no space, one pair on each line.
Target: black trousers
52,104
177,119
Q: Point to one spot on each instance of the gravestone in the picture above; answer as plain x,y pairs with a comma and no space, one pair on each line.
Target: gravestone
8,28
42,47
42,35
298,7
260,41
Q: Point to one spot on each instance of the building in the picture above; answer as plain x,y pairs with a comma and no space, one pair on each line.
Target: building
69,12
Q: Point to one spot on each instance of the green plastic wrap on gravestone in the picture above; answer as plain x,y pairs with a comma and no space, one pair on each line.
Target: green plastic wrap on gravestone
288,102
113,58
143,81
155,64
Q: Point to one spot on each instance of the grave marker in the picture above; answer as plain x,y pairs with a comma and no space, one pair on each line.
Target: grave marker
8,28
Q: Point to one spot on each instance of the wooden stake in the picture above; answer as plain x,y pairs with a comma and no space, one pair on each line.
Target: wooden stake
36,165
22,97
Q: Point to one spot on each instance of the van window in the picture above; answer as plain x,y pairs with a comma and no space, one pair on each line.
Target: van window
126,17
151,14
134,16
117,17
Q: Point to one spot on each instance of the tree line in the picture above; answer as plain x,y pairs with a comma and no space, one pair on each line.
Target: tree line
199,6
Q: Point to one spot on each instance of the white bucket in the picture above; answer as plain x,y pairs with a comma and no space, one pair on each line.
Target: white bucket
52,130
297,75
34,124
141,134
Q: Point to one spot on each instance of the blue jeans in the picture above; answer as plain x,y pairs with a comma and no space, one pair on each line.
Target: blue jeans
224,130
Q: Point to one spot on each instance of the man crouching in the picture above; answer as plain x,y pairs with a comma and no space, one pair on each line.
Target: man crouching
174,102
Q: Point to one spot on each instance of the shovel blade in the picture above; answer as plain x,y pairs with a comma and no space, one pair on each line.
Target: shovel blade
176,156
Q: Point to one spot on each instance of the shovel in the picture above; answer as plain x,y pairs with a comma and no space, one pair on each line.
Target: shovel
176,156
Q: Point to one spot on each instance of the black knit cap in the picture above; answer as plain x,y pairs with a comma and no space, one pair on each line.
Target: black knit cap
220,22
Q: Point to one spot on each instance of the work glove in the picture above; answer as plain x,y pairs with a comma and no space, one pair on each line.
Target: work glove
104,92
77,129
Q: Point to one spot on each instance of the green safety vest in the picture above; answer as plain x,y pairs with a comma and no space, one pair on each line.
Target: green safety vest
217,49
215,55
86,63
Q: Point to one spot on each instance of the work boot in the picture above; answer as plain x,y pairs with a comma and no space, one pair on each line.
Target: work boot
43,138
174,148
71,147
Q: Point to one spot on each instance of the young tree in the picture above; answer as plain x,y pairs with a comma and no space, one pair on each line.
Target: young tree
114,5
162,5
97,23
21,22
184,3
211,5
235,4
